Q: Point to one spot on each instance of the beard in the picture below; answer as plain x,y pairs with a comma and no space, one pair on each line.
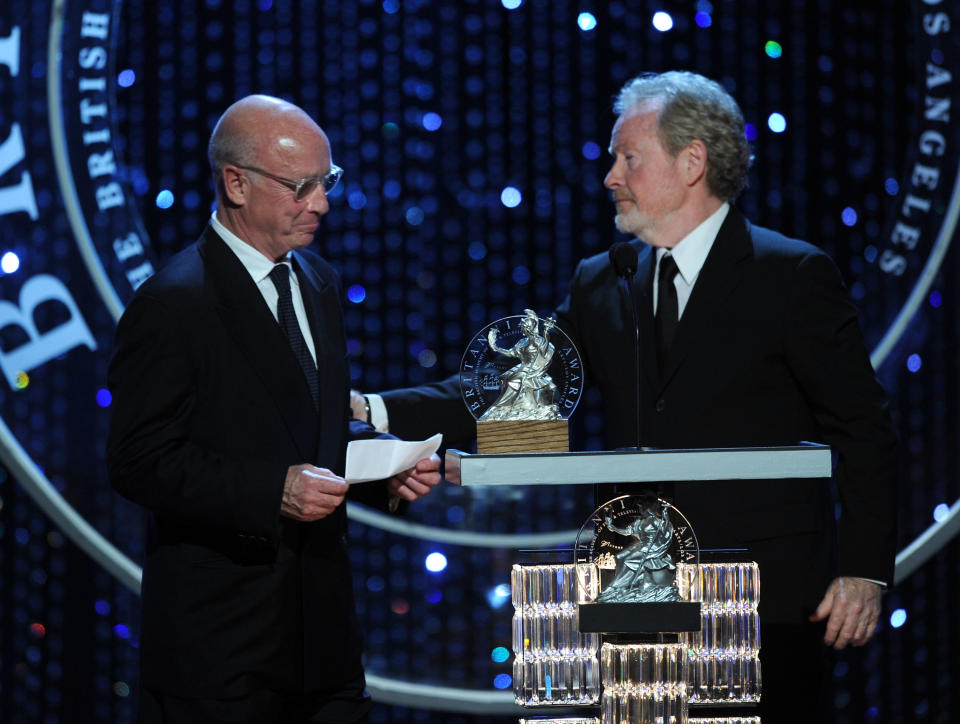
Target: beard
630,222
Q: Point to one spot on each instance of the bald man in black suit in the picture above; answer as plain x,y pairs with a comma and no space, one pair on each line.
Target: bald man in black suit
230,423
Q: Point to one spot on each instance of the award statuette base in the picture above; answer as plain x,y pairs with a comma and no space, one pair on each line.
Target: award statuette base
522,436
628,618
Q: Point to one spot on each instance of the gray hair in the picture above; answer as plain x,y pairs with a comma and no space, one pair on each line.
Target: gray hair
696,108
227,146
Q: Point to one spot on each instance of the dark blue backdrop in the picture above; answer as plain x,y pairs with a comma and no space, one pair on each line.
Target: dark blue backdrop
473,139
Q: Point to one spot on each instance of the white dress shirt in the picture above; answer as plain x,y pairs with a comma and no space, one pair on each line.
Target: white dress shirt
259,268
690,253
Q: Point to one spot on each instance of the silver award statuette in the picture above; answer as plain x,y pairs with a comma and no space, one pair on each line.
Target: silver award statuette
637,543
521,379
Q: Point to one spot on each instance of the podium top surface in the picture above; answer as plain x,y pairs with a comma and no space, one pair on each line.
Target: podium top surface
807,460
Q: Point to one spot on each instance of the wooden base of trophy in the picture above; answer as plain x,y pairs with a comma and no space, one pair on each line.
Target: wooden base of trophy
522,436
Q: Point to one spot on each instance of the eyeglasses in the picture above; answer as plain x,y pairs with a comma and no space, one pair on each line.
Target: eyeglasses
305,186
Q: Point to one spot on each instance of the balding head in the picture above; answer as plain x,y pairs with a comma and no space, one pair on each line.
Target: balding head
259,150
254,130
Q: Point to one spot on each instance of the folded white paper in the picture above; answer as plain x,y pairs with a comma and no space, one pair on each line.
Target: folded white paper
378,459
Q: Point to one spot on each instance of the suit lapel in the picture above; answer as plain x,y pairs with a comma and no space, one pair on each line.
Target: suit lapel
321,300
260,340
720,274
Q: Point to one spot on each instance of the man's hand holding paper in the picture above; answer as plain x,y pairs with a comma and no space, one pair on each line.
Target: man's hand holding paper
413,468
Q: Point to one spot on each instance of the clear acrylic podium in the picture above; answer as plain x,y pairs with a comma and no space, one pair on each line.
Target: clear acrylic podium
557,664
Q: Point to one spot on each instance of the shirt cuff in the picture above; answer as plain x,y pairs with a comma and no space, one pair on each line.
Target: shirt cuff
378,413
872,580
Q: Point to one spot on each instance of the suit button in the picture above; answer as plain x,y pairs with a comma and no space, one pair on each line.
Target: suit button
661,405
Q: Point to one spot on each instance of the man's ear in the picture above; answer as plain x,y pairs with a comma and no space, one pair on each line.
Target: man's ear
236,185
694,162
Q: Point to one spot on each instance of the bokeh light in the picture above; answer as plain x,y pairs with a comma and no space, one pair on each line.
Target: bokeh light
9,262
662,21
591,151
165,199
126,78
435,562
511,197
498,595
356,293
586,21
432,121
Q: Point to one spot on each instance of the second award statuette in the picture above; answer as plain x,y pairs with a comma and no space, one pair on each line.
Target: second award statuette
521,379
637,543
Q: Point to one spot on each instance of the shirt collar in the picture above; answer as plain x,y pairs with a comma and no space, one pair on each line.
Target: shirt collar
692,250
256,264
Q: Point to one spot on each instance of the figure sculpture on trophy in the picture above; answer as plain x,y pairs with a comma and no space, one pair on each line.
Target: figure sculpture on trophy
645,570
521,379
527,392
639,544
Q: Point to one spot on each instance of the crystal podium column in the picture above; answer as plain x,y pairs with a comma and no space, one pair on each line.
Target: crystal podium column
725,653
554,664
644,683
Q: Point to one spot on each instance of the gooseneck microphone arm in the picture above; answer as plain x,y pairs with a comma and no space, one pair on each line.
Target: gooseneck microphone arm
623,257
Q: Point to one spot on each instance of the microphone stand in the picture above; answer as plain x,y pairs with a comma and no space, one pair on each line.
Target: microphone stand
623,257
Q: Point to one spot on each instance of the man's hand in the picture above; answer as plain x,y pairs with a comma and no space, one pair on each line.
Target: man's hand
311,493
417,481
358,405
853,607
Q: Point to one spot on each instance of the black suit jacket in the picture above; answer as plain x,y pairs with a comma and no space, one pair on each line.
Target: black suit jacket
210,407
767,352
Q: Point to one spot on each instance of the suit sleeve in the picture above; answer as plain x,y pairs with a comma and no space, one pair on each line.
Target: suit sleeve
416,413
153,455
827,354
568,319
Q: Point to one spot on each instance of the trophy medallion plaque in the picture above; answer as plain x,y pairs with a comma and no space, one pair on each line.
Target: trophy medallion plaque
521,378
637,543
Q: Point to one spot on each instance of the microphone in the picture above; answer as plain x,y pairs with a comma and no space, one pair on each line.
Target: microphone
623,258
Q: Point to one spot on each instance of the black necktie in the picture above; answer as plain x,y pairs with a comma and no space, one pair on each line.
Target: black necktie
280,276
667,308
